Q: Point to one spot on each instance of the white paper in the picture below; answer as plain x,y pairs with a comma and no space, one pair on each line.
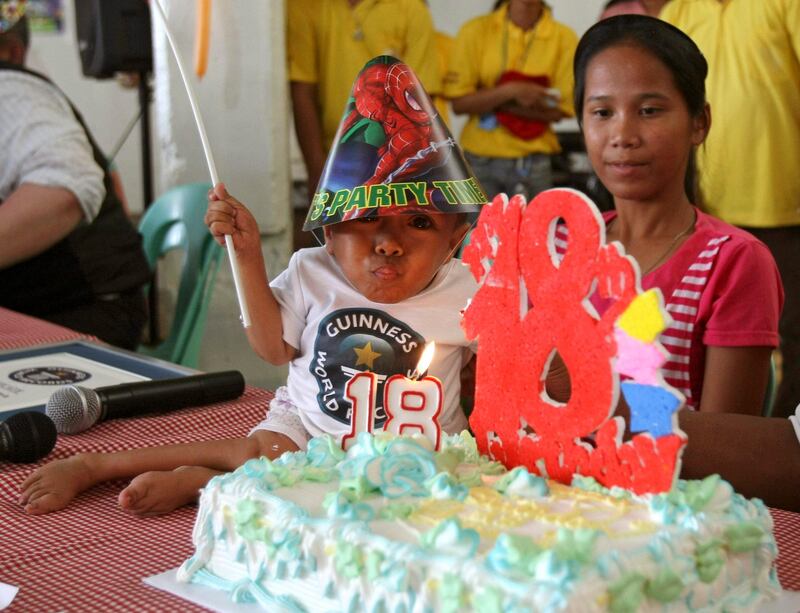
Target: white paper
208,597
29,382
7,594
220,601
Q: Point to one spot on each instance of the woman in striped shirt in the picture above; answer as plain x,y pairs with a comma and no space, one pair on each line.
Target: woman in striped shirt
640,100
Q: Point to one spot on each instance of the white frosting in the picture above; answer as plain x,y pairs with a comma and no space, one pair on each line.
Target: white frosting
321,562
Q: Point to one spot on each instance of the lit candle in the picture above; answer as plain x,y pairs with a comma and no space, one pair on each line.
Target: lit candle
414,404
361,390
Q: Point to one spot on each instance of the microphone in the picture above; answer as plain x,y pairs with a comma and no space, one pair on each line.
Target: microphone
74,408
26,437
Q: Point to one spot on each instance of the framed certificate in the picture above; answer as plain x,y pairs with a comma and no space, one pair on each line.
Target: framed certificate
29,376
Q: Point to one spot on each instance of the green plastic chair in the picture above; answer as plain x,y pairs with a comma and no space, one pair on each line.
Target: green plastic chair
175,221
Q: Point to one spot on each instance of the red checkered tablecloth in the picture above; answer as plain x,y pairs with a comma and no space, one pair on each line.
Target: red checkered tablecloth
18,330
92,556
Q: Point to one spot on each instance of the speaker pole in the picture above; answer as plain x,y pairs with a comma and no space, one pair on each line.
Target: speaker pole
145,98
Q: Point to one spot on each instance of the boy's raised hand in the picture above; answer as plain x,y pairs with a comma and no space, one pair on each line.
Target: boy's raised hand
226,215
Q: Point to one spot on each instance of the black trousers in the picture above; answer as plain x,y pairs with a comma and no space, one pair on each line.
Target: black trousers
117,320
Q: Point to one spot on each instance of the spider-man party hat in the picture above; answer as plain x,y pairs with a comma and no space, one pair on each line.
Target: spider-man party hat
392,154
10,13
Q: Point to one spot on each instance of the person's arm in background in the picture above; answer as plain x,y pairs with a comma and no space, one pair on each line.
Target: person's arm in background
58,183
33,219
563,79
467,94
533,103
758,456
308,127
302,50
523,98
735,379
444,49
119,188
741,307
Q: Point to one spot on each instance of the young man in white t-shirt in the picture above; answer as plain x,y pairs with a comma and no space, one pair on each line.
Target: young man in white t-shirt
394,203
370,299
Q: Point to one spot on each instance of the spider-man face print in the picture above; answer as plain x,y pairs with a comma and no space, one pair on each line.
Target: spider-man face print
392,154
408,95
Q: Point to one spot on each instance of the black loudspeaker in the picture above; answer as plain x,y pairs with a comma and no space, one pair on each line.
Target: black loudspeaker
113,36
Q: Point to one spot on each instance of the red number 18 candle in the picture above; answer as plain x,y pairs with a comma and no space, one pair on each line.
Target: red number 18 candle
412,404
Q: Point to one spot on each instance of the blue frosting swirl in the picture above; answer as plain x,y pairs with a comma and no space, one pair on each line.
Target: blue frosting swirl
399,468
450,537
443,486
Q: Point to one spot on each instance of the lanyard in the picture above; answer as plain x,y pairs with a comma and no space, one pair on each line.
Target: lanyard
504,47
358,29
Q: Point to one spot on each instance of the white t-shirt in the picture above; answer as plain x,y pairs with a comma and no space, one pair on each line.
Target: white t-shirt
339,332
41,142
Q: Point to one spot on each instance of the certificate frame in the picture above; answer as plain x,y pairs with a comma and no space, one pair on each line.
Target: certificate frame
129,365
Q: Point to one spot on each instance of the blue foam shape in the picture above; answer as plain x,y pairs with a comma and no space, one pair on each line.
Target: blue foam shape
651,408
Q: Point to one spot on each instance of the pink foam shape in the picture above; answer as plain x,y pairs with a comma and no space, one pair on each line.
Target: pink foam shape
638,360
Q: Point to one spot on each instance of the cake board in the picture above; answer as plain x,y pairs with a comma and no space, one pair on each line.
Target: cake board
215,600
219,601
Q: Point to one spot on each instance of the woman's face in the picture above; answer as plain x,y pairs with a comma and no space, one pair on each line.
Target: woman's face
638,130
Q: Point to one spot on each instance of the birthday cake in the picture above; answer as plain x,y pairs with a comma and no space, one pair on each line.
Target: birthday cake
556,504
391,525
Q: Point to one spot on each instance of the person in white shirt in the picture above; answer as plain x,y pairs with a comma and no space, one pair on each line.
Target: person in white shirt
68,252
380,289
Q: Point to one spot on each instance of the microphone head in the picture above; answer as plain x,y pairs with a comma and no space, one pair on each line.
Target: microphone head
73,409
32,436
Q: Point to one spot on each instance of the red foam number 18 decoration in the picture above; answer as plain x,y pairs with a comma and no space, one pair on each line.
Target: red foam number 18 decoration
522,326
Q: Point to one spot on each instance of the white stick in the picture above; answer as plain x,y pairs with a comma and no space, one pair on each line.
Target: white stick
212,169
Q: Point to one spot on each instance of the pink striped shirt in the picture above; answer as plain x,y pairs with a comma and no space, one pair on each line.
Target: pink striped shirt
721,288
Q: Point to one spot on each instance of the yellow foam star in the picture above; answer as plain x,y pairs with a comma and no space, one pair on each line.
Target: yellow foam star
366,355
643,319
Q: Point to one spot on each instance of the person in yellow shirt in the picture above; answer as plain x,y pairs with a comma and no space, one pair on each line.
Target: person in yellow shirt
511,71
329,41
444,49
749,165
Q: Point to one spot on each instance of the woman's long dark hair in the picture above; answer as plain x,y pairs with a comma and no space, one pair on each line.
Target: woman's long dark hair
669,45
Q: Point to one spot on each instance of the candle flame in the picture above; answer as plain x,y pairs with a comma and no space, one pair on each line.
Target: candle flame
426,359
